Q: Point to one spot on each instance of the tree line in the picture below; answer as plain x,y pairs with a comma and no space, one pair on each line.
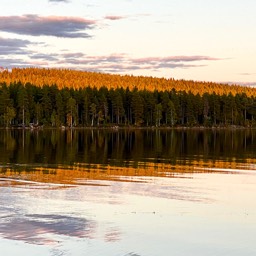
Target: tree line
65,78
25,104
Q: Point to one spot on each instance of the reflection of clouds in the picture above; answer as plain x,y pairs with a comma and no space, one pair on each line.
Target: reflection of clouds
112,235
168,189
132,254
32,228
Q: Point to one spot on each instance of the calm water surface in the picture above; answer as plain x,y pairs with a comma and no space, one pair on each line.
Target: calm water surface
127,193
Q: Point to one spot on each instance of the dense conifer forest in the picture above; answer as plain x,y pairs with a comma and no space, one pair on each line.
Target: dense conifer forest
58,98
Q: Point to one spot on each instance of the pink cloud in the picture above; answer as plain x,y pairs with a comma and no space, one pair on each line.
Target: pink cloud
34,25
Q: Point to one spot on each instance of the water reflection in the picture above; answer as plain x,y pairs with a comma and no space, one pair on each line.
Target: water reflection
129,193
67,158
32,228
64,176
116,147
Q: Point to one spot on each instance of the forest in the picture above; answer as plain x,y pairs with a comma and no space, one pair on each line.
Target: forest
63,98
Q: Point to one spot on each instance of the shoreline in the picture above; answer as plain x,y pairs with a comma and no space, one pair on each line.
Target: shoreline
116,128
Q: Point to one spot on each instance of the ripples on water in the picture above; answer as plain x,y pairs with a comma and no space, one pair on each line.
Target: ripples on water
127,193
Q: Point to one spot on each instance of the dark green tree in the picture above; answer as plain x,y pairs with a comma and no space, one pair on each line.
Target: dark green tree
23,106
137,105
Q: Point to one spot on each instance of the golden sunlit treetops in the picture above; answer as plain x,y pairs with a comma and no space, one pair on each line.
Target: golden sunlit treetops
65,78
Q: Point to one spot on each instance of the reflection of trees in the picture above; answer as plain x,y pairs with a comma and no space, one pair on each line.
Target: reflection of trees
61,176
8,140
116,148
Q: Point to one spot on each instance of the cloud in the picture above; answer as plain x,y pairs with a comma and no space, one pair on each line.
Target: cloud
120,17
13,62
114,17
34,25
248,84
118,63
73,55
113,63
175,59
59,1
13,46
121,63
43,56
247,74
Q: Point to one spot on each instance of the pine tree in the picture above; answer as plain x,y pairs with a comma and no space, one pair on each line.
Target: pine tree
23,106
72,112
137,108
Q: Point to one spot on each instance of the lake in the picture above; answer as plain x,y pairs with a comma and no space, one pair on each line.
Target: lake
127,192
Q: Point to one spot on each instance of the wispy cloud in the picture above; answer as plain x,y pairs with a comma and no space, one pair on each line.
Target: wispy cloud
14,62
34,25
122,63
43,56
113,63
247,74
248,84
120,17
59,1
175,59
114,17
13,46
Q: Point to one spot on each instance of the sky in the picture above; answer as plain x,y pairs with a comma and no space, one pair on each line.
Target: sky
201,40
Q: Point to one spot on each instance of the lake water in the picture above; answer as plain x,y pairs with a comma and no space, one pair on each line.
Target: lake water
127,193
